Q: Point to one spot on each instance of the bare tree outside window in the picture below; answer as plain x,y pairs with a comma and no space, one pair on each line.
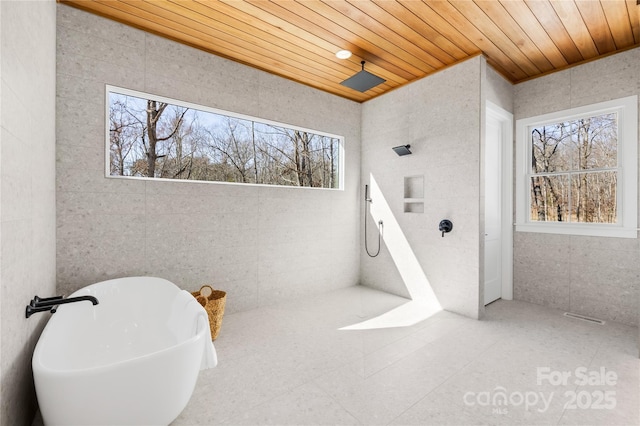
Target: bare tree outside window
574,170
154,139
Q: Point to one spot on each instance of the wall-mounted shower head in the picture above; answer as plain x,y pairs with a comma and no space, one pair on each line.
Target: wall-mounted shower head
402,150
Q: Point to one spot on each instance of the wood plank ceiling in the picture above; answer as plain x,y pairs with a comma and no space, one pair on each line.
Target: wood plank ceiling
401,41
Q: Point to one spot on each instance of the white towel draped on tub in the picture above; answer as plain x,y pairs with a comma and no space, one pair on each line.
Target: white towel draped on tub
183,306
209,357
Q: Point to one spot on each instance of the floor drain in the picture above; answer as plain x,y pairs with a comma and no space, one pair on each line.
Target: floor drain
583,318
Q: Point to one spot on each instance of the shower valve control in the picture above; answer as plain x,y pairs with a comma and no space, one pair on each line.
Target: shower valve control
445,226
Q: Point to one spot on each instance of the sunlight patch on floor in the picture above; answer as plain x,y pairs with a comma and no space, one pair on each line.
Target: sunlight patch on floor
424,302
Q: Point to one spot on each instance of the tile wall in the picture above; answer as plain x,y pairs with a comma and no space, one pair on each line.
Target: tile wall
592,276
27,192
440,116
260,244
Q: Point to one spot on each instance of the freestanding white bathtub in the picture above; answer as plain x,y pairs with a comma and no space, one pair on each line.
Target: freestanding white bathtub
133,359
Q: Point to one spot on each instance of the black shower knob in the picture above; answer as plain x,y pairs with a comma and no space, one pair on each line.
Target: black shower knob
445,226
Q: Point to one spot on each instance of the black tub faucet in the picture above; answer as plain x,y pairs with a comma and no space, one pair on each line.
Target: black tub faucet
39,304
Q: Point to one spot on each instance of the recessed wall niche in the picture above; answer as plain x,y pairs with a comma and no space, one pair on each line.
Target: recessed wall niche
414,194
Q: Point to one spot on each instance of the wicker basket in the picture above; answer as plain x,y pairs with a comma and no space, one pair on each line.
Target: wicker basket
213,302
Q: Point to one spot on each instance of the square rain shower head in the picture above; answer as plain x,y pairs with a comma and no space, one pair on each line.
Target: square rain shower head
363,80
402,150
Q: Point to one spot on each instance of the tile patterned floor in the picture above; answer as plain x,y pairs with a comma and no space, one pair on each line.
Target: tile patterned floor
291,365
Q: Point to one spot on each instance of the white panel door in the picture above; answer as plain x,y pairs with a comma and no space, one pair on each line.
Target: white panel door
492,211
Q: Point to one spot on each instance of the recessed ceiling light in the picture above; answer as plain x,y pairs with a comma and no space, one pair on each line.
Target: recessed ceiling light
343,54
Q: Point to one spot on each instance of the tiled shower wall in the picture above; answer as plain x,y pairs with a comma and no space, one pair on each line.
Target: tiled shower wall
440,116
587,275
260,244
27,232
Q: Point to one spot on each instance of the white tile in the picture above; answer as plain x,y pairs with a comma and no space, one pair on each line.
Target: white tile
28,192
305,405
289,364
90,24
202,225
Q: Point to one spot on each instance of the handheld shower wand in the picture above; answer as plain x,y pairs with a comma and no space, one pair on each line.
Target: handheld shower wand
366,194
368,200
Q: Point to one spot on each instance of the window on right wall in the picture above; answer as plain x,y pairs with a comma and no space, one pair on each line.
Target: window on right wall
576,170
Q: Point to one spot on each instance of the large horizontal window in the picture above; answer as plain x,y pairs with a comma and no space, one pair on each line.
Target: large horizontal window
160,138
577,171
